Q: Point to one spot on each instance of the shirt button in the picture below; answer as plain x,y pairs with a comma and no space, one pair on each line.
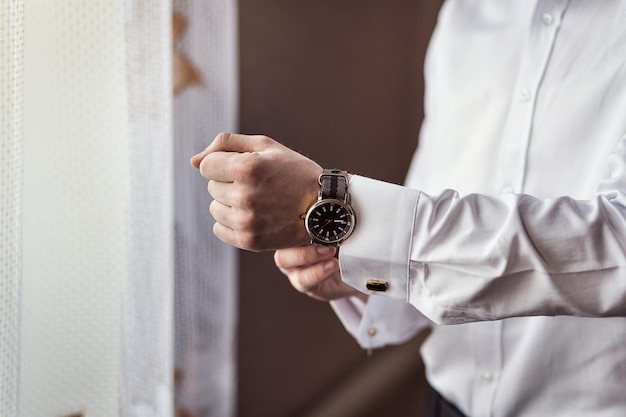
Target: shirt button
372,331
486,377
547,19
507,190
524,95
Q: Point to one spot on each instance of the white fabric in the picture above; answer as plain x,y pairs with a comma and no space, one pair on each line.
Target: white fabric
87,211
517,208
11,137
206,268
97,212
149,283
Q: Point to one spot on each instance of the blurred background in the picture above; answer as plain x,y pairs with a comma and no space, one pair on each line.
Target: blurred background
341,82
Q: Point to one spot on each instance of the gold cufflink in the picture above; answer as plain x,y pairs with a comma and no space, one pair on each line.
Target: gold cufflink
376,285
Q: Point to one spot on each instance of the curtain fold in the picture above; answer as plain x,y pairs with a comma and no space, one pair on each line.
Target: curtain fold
148,336
206,269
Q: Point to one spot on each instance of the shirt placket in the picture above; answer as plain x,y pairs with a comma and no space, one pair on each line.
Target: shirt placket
487,339
518,128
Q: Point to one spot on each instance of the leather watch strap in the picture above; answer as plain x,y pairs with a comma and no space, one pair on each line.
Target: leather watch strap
334,184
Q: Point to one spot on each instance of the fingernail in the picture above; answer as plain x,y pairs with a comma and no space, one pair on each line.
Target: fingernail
192,160
197,158
325,250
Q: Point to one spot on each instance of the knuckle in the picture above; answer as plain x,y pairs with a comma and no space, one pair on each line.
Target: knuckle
250,241
265,140
297,283
244,199
307,279
249,169
303,256
244,241
247,221
222,138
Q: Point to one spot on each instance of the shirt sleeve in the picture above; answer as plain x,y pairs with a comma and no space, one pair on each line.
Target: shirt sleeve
379,322
478,257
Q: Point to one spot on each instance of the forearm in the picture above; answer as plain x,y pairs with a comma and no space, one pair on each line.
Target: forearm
478,257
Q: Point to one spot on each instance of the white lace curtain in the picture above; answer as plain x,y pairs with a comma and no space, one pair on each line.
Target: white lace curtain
100,228
206,48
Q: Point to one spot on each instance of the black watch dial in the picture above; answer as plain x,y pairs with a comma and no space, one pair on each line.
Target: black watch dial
330,221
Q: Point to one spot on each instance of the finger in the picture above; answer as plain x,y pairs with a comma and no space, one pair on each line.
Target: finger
226,234
226,193
232,142
220,166
302,255
216,145
197,158
304,279
232,218
241,239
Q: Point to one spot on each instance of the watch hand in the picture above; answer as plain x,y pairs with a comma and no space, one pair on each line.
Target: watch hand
327,223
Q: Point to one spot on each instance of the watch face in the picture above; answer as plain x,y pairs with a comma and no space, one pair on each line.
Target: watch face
330,221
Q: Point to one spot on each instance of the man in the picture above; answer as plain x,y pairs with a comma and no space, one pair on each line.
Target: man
509,238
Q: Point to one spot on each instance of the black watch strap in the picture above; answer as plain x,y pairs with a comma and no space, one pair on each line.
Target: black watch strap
334,183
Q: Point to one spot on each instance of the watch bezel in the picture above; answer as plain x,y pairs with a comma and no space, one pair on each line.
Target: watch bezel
333,242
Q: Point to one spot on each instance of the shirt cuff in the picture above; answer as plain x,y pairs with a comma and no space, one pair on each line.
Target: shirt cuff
380,246
380,322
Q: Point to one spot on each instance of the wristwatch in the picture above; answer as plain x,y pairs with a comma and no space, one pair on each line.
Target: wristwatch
331,219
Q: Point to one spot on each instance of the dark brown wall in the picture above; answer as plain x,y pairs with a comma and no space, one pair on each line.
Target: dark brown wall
341,82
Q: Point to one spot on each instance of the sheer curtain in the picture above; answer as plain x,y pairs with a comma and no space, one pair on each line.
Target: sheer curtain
97,210
11,96
88,211
206,48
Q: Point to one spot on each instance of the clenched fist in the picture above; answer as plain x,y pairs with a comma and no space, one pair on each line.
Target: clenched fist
259,188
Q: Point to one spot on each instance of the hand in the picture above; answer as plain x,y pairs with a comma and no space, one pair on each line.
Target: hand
314,271
259,188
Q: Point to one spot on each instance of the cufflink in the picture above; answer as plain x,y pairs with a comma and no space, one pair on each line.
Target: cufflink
376,285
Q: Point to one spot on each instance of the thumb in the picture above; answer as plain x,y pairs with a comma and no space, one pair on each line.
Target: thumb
231,142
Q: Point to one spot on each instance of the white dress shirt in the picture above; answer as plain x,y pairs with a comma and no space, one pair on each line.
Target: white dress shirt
511,232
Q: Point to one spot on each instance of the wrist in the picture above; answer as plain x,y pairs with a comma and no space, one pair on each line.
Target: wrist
309,197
